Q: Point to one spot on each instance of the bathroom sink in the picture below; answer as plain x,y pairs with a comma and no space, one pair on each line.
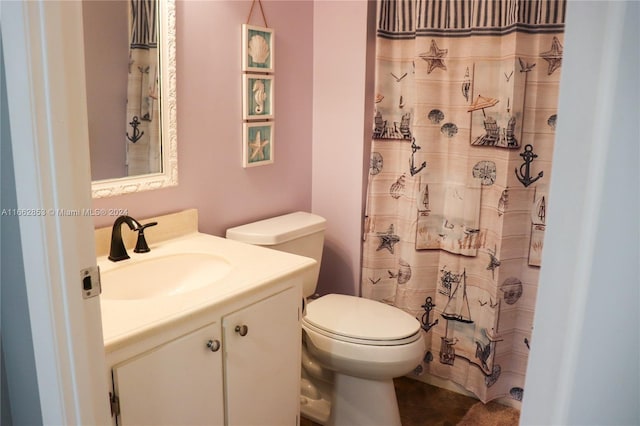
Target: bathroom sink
162,276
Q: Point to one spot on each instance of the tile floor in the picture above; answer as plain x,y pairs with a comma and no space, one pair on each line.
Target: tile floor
421,404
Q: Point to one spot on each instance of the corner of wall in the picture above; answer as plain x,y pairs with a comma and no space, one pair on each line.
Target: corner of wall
339,153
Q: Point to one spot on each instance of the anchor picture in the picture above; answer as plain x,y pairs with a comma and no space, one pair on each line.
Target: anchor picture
137,133
413,169
524,174
426,317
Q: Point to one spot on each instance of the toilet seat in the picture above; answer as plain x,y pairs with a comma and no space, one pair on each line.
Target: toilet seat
369,342
360,321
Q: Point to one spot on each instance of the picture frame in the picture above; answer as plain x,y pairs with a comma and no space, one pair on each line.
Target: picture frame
257,49
258,97
258,144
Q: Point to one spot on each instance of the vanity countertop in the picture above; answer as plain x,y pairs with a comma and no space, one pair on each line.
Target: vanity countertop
252,269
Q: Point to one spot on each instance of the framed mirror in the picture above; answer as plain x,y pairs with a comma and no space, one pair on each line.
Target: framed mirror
130,71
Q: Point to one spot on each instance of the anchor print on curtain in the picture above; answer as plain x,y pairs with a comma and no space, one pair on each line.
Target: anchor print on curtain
465,115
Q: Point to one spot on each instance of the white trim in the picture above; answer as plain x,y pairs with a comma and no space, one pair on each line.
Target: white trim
576,308
169,118
603,89
48,118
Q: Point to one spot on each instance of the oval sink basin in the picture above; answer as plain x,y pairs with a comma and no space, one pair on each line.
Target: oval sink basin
163,276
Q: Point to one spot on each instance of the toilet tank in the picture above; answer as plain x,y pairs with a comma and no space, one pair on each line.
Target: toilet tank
299,233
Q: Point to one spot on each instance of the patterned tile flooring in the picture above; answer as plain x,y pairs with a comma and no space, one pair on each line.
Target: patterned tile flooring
421,404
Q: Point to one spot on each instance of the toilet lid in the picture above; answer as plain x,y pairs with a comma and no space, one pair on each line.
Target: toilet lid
359,318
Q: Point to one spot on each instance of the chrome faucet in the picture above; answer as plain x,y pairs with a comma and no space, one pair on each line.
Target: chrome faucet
118,251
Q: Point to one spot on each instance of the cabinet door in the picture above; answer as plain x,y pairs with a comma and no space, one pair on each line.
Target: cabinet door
263,367
179,383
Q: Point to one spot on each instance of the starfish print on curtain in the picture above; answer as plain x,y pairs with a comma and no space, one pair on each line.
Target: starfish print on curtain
452,235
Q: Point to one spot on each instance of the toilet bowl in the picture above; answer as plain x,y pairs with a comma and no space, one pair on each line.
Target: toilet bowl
362,337
366,344
353,348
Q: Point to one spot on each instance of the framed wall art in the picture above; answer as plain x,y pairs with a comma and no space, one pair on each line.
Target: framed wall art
257,143
257,103
257,49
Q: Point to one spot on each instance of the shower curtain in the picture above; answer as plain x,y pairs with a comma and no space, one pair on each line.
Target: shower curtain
143,131
465,112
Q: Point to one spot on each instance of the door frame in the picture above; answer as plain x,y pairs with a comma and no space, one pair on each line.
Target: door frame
45,79
44,65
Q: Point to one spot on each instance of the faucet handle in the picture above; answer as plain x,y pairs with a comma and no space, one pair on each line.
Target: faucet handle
146,225
141,244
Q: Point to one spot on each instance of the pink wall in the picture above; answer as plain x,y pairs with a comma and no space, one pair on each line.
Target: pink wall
106,70
211,177
321,77
342,123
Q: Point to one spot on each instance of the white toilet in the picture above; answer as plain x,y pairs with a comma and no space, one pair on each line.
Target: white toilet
352,347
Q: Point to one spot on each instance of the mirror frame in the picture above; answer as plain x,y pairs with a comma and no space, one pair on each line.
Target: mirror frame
168,115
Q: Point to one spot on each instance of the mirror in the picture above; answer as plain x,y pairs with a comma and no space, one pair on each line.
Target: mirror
130,71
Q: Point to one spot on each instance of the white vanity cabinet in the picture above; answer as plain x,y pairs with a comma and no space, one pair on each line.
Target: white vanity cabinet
262,368
242,368
180,382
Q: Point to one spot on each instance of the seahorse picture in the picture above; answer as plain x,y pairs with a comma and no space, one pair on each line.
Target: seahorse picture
258,92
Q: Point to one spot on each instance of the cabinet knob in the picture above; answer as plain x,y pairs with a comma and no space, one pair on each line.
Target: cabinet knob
213,345
242,330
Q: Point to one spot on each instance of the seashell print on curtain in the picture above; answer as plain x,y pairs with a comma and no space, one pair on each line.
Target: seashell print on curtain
465,114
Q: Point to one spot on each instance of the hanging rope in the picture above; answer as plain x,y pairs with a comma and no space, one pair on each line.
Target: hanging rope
264,18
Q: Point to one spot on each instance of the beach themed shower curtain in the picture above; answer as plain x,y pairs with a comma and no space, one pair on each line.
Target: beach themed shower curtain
142,121
465,114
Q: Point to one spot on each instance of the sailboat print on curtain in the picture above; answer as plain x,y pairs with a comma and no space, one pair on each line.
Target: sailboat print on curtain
461,89
459,309
464,338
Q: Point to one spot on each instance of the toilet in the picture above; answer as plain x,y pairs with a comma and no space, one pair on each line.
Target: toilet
353,347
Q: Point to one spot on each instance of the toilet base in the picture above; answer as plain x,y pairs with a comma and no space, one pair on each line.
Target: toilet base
363,402
317,410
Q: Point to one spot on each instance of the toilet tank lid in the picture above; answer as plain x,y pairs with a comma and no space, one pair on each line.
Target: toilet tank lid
277,230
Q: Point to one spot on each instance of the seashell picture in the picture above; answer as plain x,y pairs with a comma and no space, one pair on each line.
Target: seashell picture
258,92
257,49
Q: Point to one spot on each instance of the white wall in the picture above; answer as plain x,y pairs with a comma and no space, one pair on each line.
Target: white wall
342,117
584,364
